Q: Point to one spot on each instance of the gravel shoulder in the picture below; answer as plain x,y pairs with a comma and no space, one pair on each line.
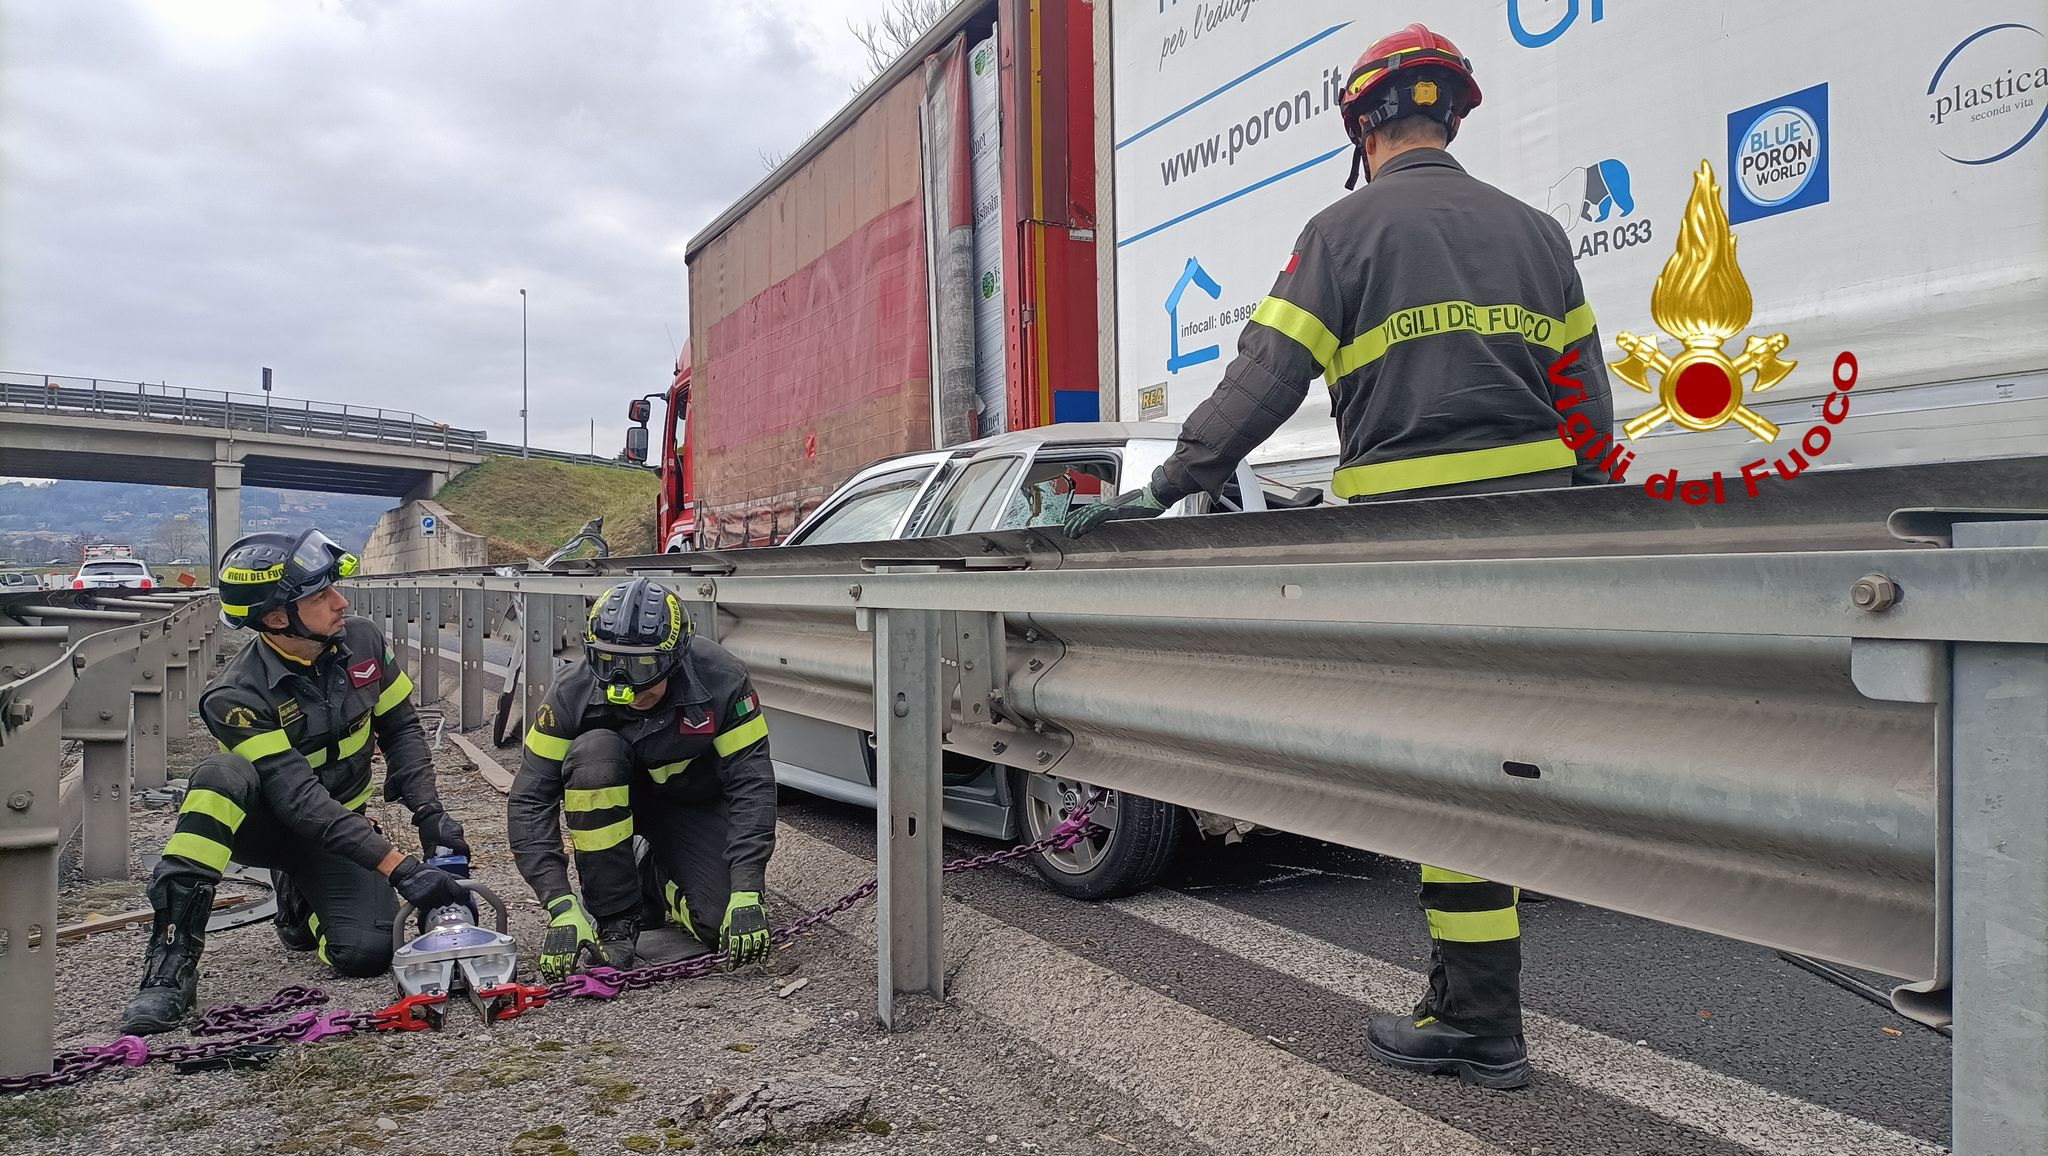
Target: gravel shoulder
704,1064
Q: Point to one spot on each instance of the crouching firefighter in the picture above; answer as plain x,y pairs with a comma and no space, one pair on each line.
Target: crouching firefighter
655,745
295,713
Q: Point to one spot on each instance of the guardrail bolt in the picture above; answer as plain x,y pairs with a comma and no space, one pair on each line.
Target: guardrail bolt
20,800
703,589
1875,593
999,747
1031,636
1044,757
106,715
853,591
21,714
1035,664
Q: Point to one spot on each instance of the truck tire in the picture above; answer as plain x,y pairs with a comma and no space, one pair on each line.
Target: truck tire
1143,836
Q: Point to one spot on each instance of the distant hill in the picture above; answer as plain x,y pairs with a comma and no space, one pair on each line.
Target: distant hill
43,521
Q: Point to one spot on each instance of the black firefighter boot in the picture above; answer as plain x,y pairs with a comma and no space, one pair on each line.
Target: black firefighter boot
294,929
170,968
1423,1043
619,937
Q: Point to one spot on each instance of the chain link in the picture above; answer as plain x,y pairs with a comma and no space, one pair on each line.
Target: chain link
76,1064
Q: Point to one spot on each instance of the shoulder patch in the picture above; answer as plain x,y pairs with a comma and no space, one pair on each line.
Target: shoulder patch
544,718
361,674
289,711
240,716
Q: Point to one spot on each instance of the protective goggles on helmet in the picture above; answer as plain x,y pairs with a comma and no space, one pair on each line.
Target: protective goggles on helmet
627,670
318,560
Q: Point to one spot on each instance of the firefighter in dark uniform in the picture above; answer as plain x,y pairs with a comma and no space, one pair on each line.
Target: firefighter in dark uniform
655,746
1433,305
294,714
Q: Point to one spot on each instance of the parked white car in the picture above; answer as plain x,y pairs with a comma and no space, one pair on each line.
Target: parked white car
112,572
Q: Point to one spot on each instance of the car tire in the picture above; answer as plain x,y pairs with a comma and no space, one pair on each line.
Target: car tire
1143,837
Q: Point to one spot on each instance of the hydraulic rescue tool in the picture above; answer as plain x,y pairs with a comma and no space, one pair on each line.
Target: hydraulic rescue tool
452,953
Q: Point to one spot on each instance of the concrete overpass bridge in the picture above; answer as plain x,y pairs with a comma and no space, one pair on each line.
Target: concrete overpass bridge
89,429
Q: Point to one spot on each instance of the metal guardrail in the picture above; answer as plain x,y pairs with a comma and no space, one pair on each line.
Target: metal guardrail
501,449
1838,752
119,673
214,409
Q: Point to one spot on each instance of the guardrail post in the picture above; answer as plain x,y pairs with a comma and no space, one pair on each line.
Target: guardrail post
538,617
1998,746
409,630
152,764
179,698
471,690
430,646
197,672
99,713
909,929
31,837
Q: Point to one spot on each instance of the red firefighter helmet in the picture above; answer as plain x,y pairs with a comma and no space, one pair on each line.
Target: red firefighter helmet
1406,74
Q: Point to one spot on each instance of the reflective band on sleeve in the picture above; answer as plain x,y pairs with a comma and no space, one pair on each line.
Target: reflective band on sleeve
747,734
199,849
1451,469
556,749
1475,926
262,746
1461,317
1439,875
1292,320
667,771
359,800
394,694
201,801
354,741
577,799
610,835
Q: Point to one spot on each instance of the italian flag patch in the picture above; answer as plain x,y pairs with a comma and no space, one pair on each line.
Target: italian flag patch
746,706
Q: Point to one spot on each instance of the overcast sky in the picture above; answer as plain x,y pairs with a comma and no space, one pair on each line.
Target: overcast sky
353,192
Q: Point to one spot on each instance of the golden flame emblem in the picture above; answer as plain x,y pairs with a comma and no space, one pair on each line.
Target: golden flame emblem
1702,300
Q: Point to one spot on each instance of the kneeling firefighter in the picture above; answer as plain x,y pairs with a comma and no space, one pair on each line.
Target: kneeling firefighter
294,714
655,745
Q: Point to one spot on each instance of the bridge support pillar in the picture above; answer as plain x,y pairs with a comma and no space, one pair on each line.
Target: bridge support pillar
224,507
428,486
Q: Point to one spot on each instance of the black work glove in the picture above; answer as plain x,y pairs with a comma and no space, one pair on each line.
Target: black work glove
1129,504
427,888
439,829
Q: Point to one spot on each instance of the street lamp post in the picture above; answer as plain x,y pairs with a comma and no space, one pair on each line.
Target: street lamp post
522,376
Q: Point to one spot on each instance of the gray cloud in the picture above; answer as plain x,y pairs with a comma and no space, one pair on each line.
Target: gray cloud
354,193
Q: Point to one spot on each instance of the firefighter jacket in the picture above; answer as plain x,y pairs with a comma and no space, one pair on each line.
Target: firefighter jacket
707,741
1433,305
307,728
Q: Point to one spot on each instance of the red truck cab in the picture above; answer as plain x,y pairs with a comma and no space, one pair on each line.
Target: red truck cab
676,506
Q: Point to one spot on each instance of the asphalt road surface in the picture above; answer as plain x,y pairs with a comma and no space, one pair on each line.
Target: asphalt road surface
1648,1040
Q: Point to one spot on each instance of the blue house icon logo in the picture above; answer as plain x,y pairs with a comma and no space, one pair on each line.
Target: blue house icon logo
1199,277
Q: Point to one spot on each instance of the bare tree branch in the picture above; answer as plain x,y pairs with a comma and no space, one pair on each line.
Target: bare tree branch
903,22
771,161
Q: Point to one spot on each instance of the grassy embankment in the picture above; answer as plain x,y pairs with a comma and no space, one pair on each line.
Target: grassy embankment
525,508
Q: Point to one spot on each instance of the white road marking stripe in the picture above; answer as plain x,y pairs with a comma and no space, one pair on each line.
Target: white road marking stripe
1220,1086
1683,1092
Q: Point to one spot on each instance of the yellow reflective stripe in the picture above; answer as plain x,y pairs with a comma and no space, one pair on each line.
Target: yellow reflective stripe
264,745
667,771
395,693
550,747
350,744
1475,926
577,799
750,732
200,849
313,921
679,906
1451,469
610,835
1440,875
1292,320
234,611
1551,333
200,801
359,800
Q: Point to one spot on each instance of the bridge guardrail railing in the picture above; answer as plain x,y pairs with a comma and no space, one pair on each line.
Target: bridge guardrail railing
216,409
1836,752
113,674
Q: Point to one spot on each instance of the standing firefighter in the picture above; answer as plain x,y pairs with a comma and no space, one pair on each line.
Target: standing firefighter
294,713
655,746
1433,305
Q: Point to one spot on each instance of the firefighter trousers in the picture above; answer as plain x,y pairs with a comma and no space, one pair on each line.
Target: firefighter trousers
224,817
637,844
1475,953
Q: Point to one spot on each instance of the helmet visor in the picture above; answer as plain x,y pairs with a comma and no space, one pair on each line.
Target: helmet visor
630,666
316,561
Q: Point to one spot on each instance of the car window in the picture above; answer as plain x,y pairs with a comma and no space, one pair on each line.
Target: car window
126,569
973,492
871,512
1050,489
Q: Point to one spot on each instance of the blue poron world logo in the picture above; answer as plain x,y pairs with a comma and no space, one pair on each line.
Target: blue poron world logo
1989,95
1778,155
1527,39
1198,277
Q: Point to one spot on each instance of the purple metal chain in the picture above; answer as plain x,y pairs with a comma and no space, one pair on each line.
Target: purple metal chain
73,1065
